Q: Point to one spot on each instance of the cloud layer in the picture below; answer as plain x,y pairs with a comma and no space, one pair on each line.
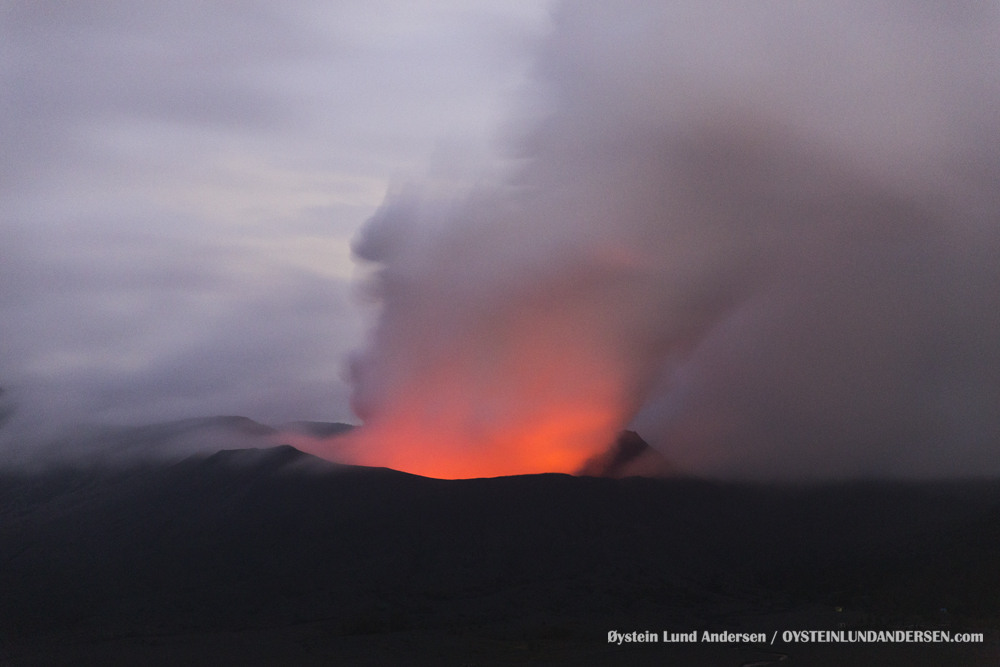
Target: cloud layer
762,235
180,182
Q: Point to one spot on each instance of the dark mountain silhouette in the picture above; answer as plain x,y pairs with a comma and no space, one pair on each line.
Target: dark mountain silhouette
166,430
271,556
164,441
318,429
628,455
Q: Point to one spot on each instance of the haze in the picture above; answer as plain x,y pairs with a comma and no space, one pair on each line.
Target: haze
762,235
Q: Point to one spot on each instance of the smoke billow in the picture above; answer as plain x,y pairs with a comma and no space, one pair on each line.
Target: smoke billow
764,235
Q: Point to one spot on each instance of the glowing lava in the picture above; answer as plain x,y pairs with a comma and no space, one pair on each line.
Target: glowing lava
556,443
534,394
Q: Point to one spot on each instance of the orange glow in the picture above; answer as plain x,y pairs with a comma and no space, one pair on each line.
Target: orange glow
518,396
556,443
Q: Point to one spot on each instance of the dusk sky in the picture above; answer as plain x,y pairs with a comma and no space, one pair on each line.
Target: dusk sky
764,235
180,183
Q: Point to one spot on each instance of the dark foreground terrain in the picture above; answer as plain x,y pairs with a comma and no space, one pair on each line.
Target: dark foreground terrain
272,557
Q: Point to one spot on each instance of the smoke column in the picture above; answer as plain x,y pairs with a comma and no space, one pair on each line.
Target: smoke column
762,234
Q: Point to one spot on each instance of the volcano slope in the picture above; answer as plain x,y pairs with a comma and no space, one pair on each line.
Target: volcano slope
271,556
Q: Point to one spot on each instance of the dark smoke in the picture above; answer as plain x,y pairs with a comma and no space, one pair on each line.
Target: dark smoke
628,456
765,235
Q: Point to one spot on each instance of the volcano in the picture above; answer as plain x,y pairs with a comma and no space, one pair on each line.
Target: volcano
268,556
628,455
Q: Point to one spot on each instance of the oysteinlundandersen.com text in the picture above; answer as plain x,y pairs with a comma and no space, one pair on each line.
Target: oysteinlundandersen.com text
798,637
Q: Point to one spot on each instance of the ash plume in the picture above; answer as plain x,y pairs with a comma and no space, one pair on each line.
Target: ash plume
762,235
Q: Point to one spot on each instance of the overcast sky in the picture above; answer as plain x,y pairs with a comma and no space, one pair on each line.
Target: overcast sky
180,182
763,234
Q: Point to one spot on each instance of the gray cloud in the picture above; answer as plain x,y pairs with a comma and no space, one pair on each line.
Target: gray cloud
179,184
764,235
